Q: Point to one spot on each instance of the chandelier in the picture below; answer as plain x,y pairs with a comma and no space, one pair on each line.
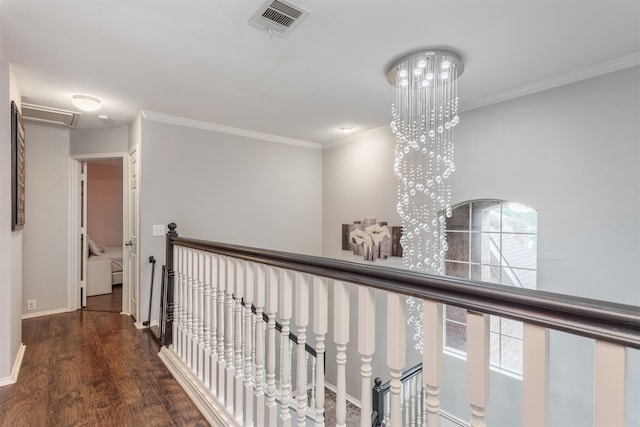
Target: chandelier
424,113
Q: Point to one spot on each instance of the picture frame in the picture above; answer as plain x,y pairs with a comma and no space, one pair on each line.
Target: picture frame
17,169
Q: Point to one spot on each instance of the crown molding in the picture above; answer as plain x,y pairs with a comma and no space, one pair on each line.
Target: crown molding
197,124
561,80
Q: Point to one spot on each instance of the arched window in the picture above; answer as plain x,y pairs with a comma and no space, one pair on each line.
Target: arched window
492,241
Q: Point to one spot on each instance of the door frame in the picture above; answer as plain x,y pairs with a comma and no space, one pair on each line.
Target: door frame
73,290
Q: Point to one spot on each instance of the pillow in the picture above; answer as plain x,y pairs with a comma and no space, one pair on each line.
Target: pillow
93,248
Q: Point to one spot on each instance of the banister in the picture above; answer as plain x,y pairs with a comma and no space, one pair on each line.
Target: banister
601,320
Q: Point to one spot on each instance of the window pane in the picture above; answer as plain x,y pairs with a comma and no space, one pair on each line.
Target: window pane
455,313
485,273
519,250
494,349
490,247
511,354
512,328
494,323
456,336
517,218
518,277
458,246
459,218
456,269
485,215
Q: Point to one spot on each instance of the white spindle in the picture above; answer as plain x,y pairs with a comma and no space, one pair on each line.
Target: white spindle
228,333
177,300
396,349
366,347
207,321
478,366
249,288
221,313
413,410
610,373
320,309
273,285
341,338
286,296
199,320
190,306
259,294
238,338
213,321
432,358
301,321
535,376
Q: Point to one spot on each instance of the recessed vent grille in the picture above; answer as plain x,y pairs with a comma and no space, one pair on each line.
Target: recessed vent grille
49,115
278,17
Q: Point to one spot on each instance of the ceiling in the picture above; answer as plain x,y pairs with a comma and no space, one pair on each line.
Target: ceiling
202,60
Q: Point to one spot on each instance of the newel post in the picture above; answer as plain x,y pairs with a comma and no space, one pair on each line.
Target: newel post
171,234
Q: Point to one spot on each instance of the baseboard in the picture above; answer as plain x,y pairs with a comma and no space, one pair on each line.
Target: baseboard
350,398
215,413
140,325
16,368
45,313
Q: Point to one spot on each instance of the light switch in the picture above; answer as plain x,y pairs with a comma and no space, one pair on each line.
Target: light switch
158,230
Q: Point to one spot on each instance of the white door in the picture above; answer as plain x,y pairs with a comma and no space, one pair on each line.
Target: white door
84,241
132,244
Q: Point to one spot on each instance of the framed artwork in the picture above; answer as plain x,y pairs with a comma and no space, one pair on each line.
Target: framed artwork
17,168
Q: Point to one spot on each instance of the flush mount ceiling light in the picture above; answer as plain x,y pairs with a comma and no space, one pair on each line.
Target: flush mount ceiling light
346,129
86,102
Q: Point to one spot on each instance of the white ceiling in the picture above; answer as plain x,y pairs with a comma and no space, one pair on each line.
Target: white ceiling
201,60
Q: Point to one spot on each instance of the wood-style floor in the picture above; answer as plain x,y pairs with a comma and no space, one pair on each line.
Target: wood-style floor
89,368
107,302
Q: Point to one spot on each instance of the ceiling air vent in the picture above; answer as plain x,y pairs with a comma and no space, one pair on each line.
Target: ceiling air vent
278,17
49,115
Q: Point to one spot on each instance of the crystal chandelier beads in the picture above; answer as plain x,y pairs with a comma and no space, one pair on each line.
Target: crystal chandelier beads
424,113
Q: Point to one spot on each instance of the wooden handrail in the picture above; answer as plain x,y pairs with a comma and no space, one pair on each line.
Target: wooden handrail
602,320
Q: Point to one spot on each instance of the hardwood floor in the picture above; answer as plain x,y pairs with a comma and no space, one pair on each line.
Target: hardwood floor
90,368
107,302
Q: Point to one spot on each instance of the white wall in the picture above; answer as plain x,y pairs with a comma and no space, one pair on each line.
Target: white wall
10,242
46,231
98,141
226,188
573,154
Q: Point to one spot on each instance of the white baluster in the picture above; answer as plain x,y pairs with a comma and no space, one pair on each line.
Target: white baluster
285,305
249,288
190,309
535,376
396,349
320,309
478,366
199,319
432,359
259,294
312,398
228,333
238,337
413,413
273,285
221,368
185,305
609,384
366,347
341,338
301,321
177,300
207,320
213,321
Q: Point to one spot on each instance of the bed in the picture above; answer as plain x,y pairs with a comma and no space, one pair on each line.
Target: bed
104,270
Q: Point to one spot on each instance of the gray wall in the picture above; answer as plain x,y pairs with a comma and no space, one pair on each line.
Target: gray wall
225,188
573,154
99,141
10,241
46,232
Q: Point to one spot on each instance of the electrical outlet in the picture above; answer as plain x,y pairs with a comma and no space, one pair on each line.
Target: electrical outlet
158,230
31,304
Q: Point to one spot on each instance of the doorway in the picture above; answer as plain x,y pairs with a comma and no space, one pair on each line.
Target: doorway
99,261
